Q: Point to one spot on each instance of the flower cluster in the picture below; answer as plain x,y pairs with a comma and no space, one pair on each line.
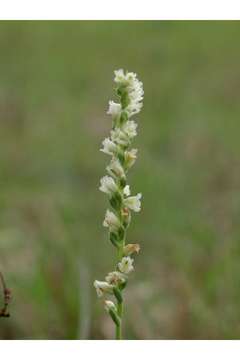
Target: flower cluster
118,145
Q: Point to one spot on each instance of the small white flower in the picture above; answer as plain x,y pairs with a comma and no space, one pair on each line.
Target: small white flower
115,278
115,168
108,147
130,128
125,266
126,190
133,202
134,108
119,137
109,305
124,79
135,93
108,185
111,221
119,76
130,157
114,109
102,287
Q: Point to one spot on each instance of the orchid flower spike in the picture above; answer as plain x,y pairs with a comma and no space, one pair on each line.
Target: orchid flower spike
129,91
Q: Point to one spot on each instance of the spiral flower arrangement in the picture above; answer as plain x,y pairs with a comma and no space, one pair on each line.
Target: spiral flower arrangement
129,91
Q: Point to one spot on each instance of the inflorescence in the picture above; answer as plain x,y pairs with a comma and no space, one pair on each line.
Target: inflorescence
130,93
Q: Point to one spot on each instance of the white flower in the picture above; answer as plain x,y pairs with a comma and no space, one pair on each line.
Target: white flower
125,134
124,79
135,96
134,88
115,168
125,266
108,185
102,287
119,137
114,109
115,278
109,305
126,190
119,76
130,128
108,147
130,157
111,221
133,202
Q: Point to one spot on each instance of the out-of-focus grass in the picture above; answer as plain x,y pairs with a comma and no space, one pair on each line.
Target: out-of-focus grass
56,79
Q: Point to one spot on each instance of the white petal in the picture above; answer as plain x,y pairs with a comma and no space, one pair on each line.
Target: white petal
125,266
126,190
114,109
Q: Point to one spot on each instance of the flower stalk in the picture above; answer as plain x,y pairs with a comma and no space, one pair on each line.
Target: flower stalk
129,91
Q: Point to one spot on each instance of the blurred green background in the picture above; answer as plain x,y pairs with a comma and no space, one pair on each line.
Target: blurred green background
56,80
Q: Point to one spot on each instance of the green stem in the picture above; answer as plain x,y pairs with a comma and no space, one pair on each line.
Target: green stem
119,328
120,305
121,247
120,309
120,253
119,332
